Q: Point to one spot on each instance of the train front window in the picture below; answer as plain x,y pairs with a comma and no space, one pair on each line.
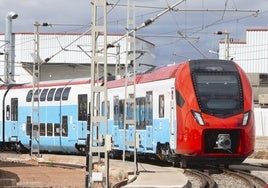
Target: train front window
219,94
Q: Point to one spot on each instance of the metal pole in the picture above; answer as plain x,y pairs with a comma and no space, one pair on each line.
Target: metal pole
35,134
9,48
98,93
227,45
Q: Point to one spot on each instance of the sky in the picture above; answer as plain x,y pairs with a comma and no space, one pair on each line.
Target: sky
186,32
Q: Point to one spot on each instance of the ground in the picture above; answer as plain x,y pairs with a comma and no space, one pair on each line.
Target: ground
29,173
260,154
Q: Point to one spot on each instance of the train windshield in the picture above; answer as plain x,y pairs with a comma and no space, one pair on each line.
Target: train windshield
219,93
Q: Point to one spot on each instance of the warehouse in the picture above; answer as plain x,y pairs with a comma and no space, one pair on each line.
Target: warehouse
65,56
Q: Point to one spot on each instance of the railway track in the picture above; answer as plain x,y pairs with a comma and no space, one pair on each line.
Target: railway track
246,170
223,178
236,176
200,179
250,179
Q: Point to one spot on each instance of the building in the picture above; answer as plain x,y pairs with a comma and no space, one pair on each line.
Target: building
65,56
252,56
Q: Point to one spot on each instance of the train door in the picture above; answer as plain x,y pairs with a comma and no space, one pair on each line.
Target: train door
118,123
149,120
64,126
172,120
82,115
140,120
12,120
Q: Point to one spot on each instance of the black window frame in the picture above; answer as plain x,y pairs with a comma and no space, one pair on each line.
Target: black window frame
42,129
28,126
50,129
43,94
37,94
58,93
29,96
161,106
14,109
65,93
82,107
50,94
57,132
179,99
64,127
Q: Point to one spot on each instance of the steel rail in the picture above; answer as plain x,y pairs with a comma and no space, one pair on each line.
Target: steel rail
206,180
251,180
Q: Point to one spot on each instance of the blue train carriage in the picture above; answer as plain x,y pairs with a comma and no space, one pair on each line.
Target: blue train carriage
155,113
63,115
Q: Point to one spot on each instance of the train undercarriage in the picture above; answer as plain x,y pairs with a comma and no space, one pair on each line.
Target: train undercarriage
16,146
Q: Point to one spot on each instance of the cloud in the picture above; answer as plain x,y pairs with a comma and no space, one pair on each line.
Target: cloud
184,18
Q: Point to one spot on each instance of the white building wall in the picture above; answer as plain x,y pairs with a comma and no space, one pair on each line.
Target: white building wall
63,48
251,55
261,121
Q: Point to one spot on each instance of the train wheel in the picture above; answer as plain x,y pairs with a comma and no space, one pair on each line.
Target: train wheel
183,163
175,164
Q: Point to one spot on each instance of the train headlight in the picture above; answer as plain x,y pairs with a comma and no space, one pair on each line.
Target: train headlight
246,118
198,117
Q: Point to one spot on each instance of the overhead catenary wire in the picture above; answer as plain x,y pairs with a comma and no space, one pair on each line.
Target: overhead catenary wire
191,10
147,22
185,38
63,49
174,9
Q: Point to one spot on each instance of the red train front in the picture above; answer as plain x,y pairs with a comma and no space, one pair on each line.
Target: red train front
215,120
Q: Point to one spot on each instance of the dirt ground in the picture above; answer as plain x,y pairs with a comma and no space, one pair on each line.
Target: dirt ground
29,173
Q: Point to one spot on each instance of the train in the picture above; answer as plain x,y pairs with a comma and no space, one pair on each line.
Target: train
195,111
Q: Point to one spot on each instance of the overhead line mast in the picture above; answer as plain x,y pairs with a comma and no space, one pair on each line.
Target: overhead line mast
35,121
130,136
98,93
99,88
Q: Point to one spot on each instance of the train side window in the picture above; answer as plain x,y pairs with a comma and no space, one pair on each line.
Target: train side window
42,129
108,109
179,99
130,108
49,129
82,107
14,109
56,129
161,106
116,110
28,125
36,94
29,96
64,130
149,108
140,113
43,95
58,93
65,94
7,112
121,113
50,94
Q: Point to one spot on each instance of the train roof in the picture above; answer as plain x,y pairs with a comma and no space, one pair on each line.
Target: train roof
161,73
50,83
